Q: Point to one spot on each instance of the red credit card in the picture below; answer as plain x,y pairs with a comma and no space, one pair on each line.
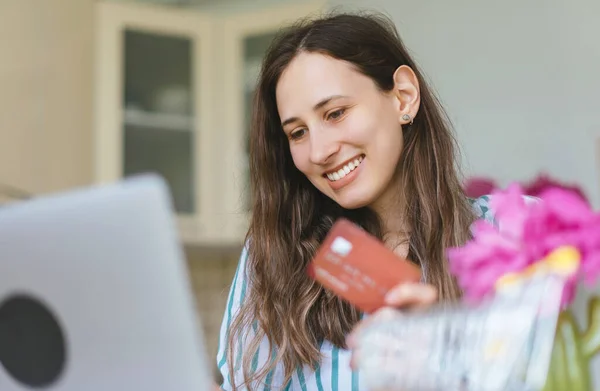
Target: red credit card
358,267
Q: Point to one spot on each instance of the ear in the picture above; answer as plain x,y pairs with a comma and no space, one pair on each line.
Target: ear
407,93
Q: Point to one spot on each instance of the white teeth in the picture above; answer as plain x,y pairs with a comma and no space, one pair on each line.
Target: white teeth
347,169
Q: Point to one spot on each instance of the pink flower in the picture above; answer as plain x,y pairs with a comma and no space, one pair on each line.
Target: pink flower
526,233
477,187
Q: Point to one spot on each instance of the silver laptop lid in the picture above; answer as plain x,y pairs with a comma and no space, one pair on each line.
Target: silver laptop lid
95,295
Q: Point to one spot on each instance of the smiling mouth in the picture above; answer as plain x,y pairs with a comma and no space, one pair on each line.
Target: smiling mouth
344,170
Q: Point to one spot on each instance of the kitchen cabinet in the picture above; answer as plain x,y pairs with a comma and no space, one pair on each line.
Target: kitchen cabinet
173,90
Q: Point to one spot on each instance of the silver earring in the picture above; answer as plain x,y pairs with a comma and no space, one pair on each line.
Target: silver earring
407,117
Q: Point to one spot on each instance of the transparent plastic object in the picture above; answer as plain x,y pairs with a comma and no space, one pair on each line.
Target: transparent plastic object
504,343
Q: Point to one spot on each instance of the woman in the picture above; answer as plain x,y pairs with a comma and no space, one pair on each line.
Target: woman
344,124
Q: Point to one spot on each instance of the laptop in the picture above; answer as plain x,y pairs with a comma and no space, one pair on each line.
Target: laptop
95,295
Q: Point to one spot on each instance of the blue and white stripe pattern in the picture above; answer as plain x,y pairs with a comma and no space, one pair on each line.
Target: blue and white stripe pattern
334,371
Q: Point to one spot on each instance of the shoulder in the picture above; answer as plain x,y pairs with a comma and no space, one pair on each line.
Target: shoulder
483,207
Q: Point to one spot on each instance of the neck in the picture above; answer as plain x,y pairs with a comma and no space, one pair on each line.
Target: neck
390,208
393,220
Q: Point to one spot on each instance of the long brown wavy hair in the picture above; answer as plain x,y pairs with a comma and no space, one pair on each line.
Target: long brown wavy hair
290,217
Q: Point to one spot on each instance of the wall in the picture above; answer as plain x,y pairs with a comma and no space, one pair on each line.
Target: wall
46,94
518,79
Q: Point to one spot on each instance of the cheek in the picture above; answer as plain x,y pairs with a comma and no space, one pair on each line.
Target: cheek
366,126
389,148
387,133
300,158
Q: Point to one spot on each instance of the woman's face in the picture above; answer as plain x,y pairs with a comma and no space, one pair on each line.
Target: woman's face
344,133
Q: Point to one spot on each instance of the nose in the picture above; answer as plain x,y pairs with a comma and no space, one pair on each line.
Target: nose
322,146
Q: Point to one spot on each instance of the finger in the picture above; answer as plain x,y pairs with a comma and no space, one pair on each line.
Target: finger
412,296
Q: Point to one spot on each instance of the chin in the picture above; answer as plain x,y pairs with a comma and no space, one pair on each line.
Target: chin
351,197
352,205
352,202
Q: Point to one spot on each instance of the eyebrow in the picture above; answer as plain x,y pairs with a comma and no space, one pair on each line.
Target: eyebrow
316,107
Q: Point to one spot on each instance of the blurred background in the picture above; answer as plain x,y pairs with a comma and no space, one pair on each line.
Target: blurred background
93,91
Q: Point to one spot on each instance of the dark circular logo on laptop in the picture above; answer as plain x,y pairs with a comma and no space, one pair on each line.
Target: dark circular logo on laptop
32,343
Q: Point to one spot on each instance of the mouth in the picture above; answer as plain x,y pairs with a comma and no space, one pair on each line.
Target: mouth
344,169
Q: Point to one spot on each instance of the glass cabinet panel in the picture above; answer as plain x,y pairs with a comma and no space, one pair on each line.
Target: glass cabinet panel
158,129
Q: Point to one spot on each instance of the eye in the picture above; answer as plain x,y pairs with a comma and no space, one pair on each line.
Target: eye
297,134
336,114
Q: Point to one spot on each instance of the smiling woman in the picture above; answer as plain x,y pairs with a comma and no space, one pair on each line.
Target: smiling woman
344,125
360,122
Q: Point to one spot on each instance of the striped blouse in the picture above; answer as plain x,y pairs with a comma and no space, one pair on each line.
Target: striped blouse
334,371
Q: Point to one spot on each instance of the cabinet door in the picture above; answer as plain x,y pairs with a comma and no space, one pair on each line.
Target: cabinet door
246,39
154,96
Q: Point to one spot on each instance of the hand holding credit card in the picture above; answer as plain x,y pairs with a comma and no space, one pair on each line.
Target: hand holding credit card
358,267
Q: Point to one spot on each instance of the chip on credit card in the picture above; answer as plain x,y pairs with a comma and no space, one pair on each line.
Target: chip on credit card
358,267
